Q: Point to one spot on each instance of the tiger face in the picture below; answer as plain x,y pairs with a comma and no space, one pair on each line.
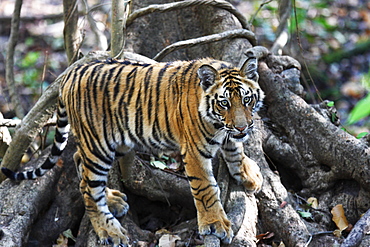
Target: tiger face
229,100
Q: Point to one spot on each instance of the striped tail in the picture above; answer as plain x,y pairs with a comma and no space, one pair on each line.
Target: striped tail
60,142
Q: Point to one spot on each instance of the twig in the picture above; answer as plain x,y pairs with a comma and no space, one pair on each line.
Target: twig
238,33
316,234
9,72
259,9
188,3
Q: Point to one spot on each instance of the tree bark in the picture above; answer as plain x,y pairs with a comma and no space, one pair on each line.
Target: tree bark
71,33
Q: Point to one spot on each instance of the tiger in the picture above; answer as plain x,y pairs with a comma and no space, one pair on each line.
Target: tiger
195,108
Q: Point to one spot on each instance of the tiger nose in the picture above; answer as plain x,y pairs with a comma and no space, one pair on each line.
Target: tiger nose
241,128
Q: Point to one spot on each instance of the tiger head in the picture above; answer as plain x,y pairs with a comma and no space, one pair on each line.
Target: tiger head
230,97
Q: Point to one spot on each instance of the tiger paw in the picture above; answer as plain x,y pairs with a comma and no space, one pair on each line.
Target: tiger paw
116,201
109,231
251,175
217,225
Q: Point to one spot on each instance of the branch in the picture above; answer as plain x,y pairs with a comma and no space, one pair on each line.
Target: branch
9,72
188,3
238,33
72,39
120,11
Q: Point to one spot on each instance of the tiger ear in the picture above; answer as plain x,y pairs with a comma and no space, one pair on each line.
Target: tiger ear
207,75
249,69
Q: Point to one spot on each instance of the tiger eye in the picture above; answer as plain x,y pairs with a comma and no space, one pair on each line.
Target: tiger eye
224,103
247,100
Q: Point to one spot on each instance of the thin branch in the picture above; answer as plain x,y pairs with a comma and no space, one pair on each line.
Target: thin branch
259,9
188,3
71,35
9,72
120,11
238,33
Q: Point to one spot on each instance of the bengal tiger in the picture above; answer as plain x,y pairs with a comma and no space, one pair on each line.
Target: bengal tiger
193,107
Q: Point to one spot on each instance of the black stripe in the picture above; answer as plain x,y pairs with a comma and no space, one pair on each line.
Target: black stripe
192,178
205,154
47,164
95,171
214,196
130,82
198,190
117,80
108,114
148,91
96,183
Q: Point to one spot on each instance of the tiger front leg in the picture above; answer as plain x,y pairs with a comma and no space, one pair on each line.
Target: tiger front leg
106,226
241,167
211,216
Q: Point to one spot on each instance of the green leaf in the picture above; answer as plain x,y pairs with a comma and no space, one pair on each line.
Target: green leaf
304,214
30,59
330,103
158,164
361,110
362,134
68,234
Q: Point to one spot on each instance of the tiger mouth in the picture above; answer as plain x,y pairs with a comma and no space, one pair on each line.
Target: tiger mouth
239,136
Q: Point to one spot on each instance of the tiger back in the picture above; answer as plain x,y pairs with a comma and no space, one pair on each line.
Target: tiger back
192,107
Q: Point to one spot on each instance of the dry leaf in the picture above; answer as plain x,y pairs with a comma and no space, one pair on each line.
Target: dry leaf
168,240
263,236
281,244
313,202
339,218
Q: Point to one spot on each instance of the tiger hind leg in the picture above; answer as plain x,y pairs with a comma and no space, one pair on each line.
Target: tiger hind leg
106,226
102,204
241,167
